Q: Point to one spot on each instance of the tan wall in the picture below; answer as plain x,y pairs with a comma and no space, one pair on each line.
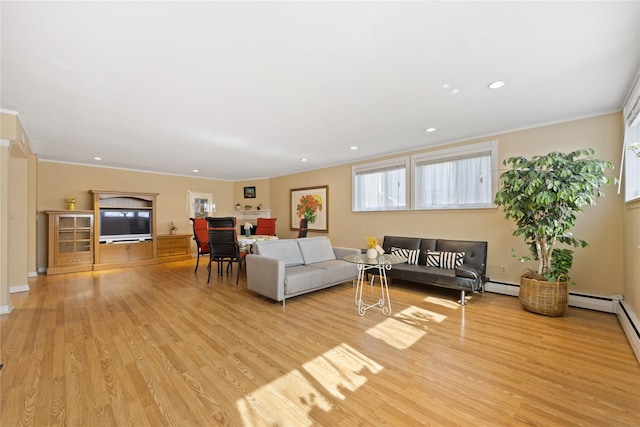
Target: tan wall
263,193
32,205
597,268
631,289
5,299
57,181
18,223
9,126
18,210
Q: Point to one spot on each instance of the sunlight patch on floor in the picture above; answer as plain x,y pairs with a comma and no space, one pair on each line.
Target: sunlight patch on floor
341,368
286,401
406,327
289,399
419,317
443,302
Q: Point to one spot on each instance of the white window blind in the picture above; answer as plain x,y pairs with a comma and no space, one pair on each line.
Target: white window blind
380,185
460,177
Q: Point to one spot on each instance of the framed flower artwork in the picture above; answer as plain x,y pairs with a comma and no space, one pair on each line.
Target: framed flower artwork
311,203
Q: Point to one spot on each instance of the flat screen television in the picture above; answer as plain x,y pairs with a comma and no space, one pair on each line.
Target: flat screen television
117,224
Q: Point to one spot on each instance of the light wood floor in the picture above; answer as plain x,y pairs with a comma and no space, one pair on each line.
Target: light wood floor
158,346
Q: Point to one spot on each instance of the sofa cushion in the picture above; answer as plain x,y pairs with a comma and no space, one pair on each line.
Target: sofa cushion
410,254
447,260
400,242
475,253
301,278
285,250
316,249
338,270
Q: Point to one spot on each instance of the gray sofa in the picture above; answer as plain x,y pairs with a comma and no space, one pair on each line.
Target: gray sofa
470,275
281,269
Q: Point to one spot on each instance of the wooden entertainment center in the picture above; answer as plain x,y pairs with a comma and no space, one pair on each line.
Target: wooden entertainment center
123,253
76,244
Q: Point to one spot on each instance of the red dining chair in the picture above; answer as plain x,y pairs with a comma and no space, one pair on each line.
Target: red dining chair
266,226
201,236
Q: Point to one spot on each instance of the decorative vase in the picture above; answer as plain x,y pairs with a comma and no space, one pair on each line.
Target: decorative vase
372,253
247,232
71,206
172,232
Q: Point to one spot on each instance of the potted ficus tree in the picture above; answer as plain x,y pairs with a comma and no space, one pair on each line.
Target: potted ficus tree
544,195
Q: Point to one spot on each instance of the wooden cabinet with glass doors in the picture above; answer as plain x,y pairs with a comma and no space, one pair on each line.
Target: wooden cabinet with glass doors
70,241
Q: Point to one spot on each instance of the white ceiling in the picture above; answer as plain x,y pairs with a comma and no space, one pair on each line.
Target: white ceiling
243,90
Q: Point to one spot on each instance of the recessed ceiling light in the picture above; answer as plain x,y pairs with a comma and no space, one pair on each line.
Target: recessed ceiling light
97,158
429,130
353,147
497,84
303,159
195,170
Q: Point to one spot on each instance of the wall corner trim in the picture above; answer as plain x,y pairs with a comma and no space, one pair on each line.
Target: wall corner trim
6,309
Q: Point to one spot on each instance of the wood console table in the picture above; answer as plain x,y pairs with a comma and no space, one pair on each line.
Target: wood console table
174,247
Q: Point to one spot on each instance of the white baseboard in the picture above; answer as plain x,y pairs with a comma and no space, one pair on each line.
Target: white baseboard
21,288
502,288
591,302
630,325
32,274
6,309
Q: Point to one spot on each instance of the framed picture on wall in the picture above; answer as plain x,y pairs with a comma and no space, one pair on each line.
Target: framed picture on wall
249,192
200,205
311,203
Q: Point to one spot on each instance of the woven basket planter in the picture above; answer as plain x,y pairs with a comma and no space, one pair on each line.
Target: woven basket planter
548,298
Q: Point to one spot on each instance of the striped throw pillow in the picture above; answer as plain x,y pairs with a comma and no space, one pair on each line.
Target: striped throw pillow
448,260
410,254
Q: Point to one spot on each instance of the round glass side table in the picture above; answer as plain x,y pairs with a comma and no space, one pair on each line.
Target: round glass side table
382,263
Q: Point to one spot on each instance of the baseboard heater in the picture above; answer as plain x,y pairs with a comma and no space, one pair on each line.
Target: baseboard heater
591,302
630,320
630,326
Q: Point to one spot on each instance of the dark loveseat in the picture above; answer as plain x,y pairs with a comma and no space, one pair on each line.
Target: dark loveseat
469,276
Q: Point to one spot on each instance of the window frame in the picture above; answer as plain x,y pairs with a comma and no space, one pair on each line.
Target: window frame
451,153
631,166
379,166
410,162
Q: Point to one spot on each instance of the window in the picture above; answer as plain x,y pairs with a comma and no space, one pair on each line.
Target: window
630,169
453,178
380,186
632,161
456,178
